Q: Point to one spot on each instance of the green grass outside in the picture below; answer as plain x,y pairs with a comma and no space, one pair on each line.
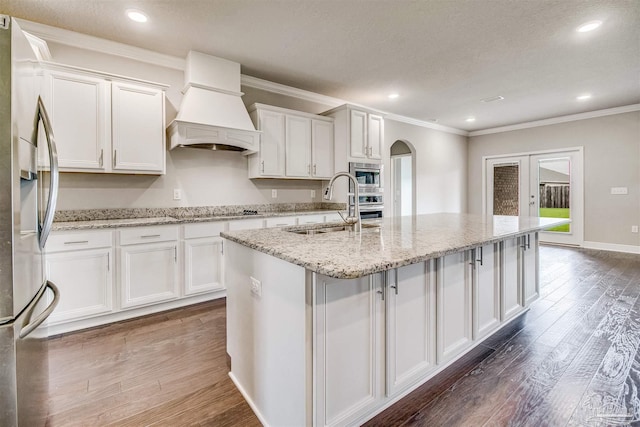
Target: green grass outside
556,213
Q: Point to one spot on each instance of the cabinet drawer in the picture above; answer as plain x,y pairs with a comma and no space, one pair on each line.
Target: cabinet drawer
280,221
70,241
311,219
204,229
137,235
245,224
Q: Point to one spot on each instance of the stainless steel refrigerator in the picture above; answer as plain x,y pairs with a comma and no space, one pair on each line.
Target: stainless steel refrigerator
28,193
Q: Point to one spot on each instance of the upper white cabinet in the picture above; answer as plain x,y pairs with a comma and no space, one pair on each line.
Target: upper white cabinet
293,144
359,135
105,123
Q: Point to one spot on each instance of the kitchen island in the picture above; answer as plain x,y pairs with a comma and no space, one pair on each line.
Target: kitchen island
330,327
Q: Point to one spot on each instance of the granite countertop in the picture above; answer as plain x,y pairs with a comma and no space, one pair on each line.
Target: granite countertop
114,218
397,242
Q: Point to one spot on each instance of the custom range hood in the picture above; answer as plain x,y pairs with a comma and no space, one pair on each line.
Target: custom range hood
212,115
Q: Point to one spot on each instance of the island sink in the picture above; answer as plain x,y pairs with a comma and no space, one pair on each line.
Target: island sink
331,229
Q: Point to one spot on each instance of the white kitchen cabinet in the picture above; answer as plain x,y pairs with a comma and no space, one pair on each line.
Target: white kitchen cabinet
349,347
298,146
148,265
203,258
322,148
280,221
333,217
269,161
311,219
529,268
486,290
293,144
359,135
81,116
246,224
81,265
104,123
510,281
137,115
411,325
454,305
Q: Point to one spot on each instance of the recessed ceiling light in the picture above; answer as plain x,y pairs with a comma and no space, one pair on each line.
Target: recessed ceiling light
393,95
470,119
136,15
583,97
588,26
493,98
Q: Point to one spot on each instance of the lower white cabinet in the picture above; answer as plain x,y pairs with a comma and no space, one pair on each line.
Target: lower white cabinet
411,324
486,290
510,281
84,278
203,258
454,305
529,268
349,346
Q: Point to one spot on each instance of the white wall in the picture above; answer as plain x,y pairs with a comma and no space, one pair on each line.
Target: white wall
440,167
611,159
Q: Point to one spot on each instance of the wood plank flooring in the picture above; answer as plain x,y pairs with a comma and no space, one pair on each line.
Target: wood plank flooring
572,360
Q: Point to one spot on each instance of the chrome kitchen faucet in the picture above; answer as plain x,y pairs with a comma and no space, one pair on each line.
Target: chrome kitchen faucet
349,219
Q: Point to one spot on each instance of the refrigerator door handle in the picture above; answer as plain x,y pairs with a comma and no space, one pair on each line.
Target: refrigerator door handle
28,325
55,173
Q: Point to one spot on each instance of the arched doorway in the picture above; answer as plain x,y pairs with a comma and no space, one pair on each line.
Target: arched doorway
402,178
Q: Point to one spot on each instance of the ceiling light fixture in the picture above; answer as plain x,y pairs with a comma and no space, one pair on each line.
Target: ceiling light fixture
470,119
493,98
588,26
136,15
393,95
583,97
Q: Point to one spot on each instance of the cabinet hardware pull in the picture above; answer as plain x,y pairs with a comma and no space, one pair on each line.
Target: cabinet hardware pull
149,236
263,166
481,256
175,254
108,261
101,157
314,169
528,241
115,156
76,242
222,248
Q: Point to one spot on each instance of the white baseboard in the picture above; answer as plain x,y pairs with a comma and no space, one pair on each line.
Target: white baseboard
248,399
631,249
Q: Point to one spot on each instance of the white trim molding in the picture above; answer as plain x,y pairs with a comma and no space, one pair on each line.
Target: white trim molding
425,124
281,89
561,119
614,247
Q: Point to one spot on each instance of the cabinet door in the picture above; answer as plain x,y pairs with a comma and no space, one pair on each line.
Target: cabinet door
375,136
138,128
203,265
529,267
358,134
148,273
298,146
349,347
80,115
511,300
322,148
272,143
486,290
411,325
85,281
454,305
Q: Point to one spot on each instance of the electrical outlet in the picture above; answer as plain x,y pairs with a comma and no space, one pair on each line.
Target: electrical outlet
256,287
634,228
177,194
313,194
274,194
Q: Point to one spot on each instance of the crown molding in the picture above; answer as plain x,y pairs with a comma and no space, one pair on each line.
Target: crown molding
281,89
426,124
84,41
560,119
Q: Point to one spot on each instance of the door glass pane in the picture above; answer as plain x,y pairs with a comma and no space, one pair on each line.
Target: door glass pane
555,190
506,189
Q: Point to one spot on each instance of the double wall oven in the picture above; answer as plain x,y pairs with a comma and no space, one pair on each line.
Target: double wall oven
370,188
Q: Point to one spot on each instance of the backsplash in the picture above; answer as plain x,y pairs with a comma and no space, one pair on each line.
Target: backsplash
186,212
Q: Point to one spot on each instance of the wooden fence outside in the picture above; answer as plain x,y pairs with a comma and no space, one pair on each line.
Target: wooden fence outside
554,195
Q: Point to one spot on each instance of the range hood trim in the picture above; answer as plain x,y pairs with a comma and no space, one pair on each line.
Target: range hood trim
186,134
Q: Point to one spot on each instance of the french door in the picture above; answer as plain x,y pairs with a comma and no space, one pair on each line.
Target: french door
545,184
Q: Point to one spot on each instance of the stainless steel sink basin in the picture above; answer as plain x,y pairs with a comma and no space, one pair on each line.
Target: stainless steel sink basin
331,229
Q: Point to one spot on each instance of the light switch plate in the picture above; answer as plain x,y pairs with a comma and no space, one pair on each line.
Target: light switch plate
619,190
177,194
274,194
313,194
634,228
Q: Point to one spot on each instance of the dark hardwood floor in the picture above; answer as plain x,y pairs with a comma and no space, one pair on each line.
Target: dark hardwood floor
572,360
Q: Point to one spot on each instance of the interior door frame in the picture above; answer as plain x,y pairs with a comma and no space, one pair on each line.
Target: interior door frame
577,183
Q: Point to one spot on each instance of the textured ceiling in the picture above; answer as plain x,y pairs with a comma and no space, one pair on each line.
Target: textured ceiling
442,57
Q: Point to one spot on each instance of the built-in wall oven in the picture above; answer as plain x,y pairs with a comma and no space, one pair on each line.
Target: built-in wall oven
370,189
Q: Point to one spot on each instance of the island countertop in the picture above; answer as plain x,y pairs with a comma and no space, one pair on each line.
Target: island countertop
397,242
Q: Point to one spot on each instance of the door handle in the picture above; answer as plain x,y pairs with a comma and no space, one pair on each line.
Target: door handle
47,222
28,325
